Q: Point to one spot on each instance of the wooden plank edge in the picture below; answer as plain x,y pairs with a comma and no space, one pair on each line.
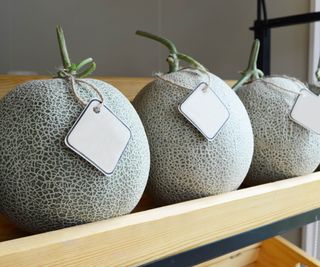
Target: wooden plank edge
18,78
241,257
13,80
279,252
145,236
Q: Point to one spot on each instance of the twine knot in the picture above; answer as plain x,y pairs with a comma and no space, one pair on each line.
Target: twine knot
73,81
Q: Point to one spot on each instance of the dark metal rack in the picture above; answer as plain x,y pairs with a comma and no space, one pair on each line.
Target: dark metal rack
232,243
262,31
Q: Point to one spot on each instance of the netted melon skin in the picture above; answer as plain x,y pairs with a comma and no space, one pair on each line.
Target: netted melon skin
46,186
185,165
316,90
283,149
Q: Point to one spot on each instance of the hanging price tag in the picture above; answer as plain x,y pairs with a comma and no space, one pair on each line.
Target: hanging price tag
99,137
306,111
203,108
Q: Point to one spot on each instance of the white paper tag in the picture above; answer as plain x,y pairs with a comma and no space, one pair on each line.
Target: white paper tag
306,111
100,138
203,108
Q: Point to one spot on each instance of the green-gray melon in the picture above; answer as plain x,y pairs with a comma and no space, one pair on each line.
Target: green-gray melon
316,90
184,165
282,148
43,184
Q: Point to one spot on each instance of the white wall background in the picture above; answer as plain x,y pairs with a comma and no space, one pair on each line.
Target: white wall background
213,31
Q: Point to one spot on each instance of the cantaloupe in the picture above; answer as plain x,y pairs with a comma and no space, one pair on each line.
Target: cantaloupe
43,184
282,148
184,164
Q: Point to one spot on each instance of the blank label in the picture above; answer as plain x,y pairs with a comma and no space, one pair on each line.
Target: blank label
205,111
100,138
306,111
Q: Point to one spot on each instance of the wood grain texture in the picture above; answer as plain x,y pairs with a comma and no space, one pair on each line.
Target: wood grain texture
274,252
278,252
9,231
149,235
129,86
240,258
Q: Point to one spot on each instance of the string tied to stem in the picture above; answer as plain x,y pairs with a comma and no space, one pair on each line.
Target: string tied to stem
74,80
160,76
74,73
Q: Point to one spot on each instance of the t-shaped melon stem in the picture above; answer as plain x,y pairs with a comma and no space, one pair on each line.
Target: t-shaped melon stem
252,72
72,68
174,56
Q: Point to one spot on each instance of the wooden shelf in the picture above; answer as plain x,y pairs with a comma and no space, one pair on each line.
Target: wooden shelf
155,233
149,235
129,86
274,252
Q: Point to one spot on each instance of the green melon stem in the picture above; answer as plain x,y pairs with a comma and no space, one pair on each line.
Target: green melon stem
191,61
172,59
252,72
63,48
72,68
174,56
169,44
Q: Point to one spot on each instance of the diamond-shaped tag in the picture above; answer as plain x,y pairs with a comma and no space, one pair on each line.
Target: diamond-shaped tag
99,137
306,111
204,109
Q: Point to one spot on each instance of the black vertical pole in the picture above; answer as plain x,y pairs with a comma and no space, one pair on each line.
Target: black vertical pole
263,34
262,31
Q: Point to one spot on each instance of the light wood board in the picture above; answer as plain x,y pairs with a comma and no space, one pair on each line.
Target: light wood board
148,235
